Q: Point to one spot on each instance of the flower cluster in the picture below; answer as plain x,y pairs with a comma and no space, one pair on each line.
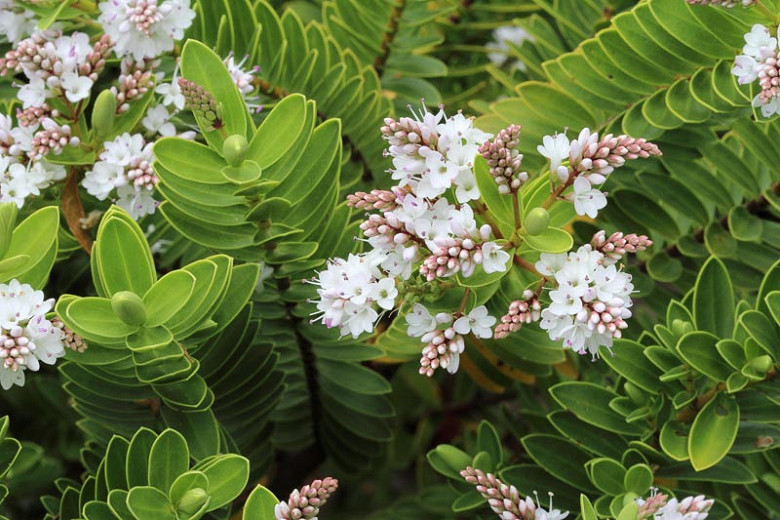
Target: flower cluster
617,244
586,162
505,500
499,47
23,171
125,165
415,227
433,153
305,504
657,507
444,346
27,338
55,64
591,302
760,61
145,28
723,3
350,290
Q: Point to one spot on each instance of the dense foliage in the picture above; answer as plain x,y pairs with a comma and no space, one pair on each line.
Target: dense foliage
413,258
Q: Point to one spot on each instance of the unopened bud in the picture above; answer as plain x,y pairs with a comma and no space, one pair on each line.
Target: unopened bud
761,364
192,501
234,149
103,114
129,307
536,221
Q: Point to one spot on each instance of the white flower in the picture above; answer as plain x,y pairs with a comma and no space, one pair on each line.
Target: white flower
157,120
103,178
466,189
241,78
76,87
346,290
32,94
587,200
26,336
556,149
385,293
420,321
171,92
745,69
502,36
767,109
478,322
759,41
137,203
494,260
145,28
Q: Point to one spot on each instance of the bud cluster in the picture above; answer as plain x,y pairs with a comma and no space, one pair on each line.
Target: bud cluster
505,500
306,503
53,138
617,245
521,312
201,102
504,159
135,80
377,199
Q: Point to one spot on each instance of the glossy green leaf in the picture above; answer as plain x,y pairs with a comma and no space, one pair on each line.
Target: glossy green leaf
713,431
149,502
713,299
227,476
167,296
169,458
260,504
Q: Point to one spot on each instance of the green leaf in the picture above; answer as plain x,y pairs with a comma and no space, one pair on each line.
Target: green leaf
713,432
228,475
586,509
499,206
744,225
36,236
190,160
468,502
560,458
674,440
95,319
148,502
590,403
122,255
638,479
167,296
489,441
202,66
699,350
607,475
762,330
449,460
713,299
169,458
260,505
552,240
631,363
8,213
